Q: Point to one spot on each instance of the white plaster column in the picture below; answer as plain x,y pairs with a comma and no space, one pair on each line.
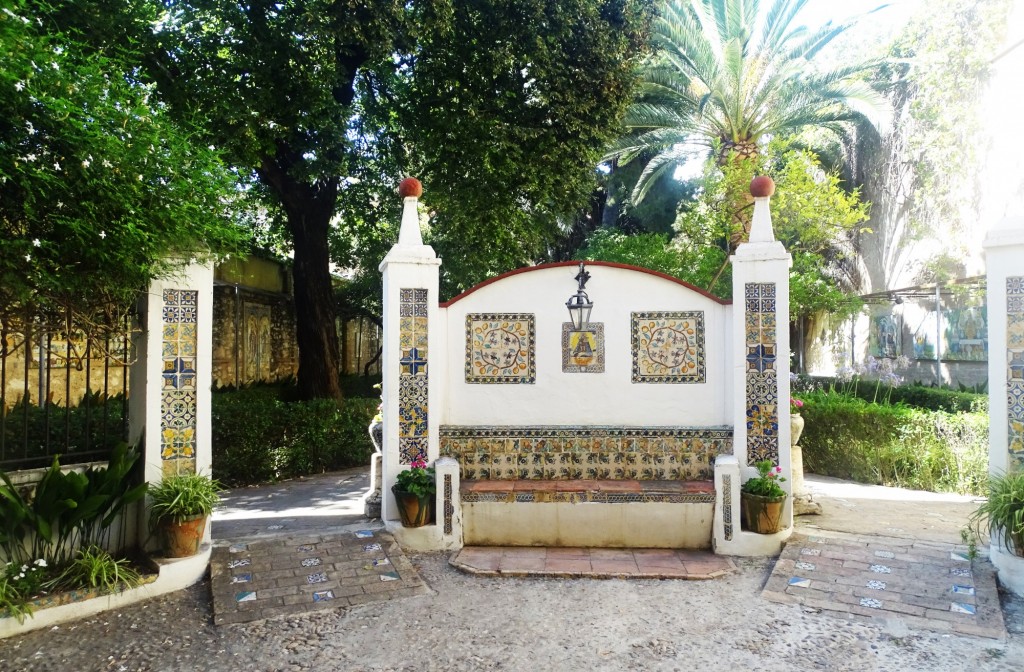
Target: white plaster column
170,379
760,375
413,354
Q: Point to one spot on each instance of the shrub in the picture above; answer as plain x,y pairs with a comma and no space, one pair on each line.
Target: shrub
920,396
258,438
894,444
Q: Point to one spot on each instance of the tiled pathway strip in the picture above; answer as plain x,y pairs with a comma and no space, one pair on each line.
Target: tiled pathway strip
598,563
262,579
926,585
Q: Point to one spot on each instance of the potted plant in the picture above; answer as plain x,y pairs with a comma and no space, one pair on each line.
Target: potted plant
762,499
414,492
180,507
1003,512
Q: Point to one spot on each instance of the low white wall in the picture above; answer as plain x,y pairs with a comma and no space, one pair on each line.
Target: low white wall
608,398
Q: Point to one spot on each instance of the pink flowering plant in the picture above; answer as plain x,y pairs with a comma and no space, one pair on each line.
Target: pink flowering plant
766,483
418,480
795,404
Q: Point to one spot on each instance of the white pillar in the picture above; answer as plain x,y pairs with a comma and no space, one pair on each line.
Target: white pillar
760,371
1004,249
169,383
413,357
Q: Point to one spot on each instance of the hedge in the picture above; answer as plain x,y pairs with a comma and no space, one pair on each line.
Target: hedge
258,438
921,396
894,444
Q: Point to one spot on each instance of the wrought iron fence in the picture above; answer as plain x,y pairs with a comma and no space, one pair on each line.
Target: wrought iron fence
63,388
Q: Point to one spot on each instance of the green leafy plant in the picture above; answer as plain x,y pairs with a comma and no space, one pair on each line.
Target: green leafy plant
183,496
766,483
1003,512
19,583
418,480
94,567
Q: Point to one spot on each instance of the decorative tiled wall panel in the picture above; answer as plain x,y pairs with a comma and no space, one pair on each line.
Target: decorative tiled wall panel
727,505
500,348
569,452
668,347
761,374
178,395
1015,368
412,380
583,351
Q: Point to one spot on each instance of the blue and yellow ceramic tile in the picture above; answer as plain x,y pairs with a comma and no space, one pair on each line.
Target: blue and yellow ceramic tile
668,347
500,348
1015,369
178,400
413,375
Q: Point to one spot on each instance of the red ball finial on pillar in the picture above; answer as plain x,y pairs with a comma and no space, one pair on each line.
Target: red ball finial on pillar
762,186
410,186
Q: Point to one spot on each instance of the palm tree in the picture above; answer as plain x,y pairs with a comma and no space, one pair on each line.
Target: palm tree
723,77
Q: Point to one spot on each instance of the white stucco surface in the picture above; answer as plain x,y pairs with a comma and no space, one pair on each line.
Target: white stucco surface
608,398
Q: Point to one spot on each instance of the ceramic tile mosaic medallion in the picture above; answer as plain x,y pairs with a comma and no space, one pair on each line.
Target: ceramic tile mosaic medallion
500,348
583,351
178,394
668,347
1015,368
761,375
413,430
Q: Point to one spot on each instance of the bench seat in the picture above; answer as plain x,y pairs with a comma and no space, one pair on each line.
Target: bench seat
589,513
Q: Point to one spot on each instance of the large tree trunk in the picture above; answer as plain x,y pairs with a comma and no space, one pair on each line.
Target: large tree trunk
309,208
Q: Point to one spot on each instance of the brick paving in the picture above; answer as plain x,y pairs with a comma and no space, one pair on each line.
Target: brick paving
924,584
258,579
594,563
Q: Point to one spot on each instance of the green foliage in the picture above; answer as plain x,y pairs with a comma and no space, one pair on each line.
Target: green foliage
648,250
418,480
766,483
89,162
1003,512
916,395
19,583
67,508
257,438
95,568
182,496
726,75
895,445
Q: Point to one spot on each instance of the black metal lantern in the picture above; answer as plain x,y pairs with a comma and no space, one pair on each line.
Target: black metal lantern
579,304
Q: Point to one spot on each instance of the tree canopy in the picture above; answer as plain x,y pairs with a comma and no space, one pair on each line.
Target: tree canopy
99,190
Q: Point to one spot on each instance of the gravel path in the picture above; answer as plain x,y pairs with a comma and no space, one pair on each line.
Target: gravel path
477,623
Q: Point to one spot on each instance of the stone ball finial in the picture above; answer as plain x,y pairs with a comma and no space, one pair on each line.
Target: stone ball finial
762,186
410,186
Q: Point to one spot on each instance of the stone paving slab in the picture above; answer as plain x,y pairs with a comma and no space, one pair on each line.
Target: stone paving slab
594,563
257,579
924,584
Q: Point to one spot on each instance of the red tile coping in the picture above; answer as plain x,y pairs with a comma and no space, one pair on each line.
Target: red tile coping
527,485
595,563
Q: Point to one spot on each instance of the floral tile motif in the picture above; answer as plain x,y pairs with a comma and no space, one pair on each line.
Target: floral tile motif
305,548
810,551
569,451
413,387
880,569
319,577
500,348
805,565
761,375
870,603
311,562
960,571
727,508
244,562
371,547
583,351
178,396
876,585
238,548
668,347
1015,368
888,555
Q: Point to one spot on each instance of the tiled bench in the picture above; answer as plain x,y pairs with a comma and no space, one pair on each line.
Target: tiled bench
591,513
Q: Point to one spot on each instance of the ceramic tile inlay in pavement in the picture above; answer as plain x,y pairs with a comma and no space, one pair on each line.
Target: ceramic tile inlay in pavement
265,578
925,584
595,563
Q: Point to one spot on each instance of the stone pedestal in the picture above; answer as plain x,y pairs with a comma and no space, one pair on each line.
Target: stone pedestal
803,501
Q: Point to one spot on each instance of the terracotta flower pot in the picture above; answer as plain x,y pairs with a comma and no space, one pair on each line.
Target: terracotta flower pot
415,511
181,539
761,514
